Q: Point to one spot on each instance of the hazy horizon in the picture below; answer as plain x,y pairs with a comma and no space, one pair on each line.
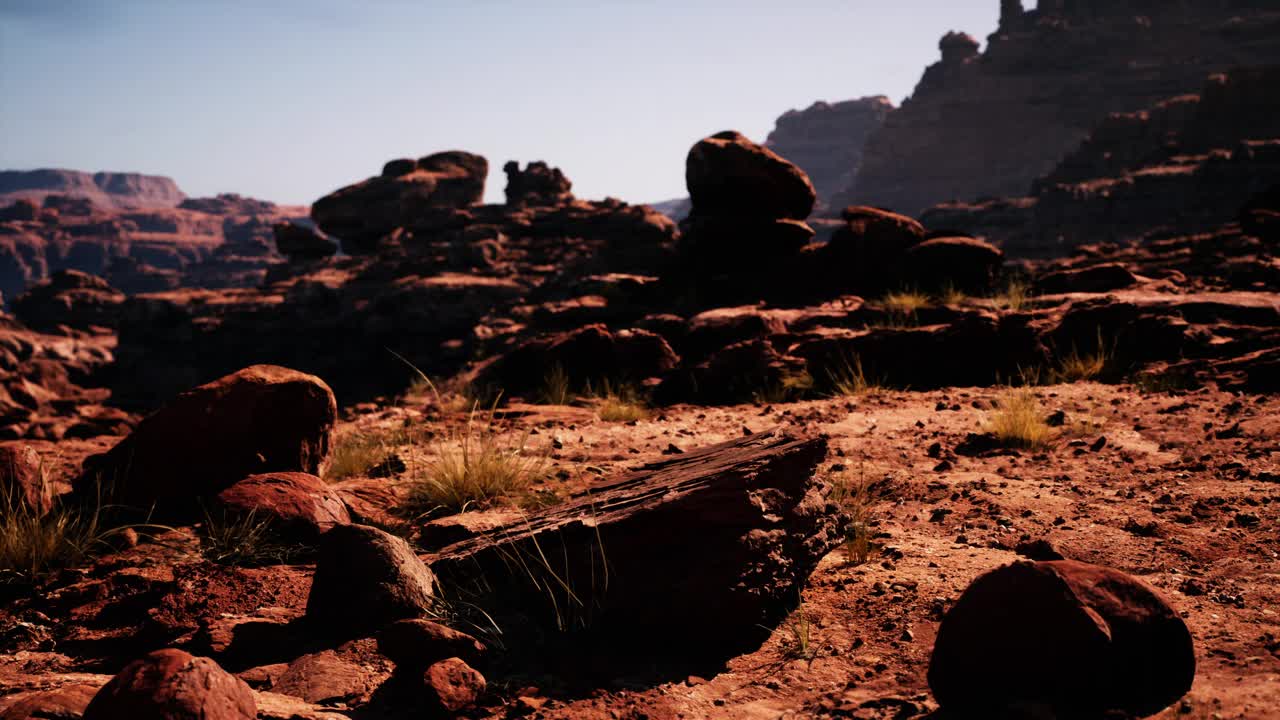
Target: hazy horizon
288,101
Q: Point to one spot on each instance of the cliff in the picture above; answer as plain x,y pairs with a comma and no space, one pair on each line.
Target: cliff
826,140
986,124
107,190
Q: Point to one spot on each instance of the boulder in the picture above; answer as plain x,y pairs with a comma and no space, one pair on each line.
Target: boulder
964,263
360,214
727,174
300,243
323,678
299,506
365,579
1079,639
261,419
23,485
65,703
173,685
416,644
451,685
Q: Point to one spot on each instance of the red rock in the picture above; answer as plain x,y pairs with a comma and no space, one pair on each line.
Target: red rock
261,419
22,480
323,677
963,263
70,298
300,244
173,685
1081,639
1094,279
826,139
729,175
298,505
419,643
66,702
537,184
365,579
452,685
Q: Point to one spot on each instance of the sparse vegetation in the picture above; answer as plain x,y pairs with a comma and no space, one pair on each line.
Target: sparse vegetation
621,405
951,295
799,641
242,539
1015,296
905,303
473,467
557,388
790,387
1076,366
848,379
356,453
853,496
1018,420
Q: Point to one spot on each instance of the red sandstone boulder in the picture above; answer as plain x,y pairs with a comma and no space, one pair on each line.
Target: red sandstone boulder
65,703
299,243
298,505
365,579
23,486
728,174
452,685
963,263
1104,277
261,419
1079,639
173,685
420,643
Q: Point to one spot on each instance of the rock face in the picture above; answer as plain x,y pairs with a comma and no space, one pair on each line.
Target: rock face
173,685
407,194
987,125
1186,164
826,139
1081,639
23,486
710,543
122,191
261,419
366,579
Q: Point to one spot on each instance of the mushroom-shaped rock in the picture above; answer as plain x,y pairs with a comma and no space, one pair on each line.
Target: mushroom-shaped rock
1080,639
300,243
366,578
298,505
173,685
261,419
727,174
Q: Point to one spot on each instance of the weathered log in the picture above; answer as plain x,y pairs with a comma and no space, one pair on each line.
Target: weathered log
701,548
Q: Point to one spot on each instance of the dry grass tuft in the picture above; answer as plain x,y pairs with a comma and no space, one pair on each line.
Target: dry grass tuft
622,405
848,379
557,388
905,302
799,643
951,295
1015,297
243,539
1019,421
474,467
853,496
356,453
1077,366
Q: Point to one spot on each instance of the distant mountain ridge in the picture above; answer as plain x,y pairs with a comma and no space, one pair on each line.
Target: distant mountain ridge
107,190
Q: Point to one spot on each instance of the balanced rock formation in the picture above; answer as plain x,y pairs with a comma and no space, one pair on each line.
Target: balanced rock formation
749,207
826,139
1079,639
173,685
987,125
261,419
406,194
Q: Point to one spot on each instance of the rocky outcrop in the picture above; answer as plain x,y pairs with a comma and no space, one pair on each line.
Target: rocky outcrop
106,190
258,420
70,298
987,125
826,139
408,194
1077,639
173,685
1186,164
537,184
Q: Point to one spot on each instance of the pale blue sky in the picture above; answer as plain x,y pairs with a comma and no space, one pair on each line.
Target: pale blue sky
288,100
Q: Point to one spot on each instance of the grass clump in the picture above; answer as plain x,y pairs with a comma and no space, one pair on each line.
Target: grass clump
357,453
799,643
557,388
952,295
1016,296
1076,366
622,405
853,496
242,539
474,467
848,379
1018,420
905,302
33,545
